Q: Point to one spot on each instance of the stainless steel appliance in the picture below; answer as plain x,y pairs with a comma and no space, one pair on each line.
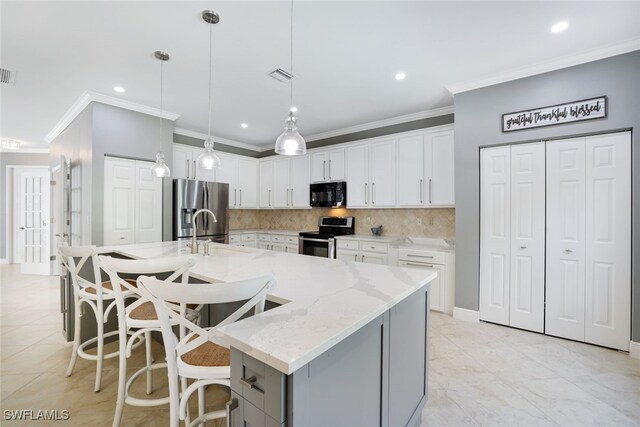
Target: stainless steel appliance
322,243
328,194
189,196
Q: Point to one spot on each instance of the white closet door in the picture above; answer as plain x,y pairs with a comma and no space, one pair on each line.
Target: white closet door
608,240
119,201
148,205
495,211
526,308
565,252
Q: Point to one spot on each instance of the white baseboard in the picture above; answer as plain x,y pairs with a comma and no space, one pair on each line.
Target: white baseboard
634,349
4,261
472,316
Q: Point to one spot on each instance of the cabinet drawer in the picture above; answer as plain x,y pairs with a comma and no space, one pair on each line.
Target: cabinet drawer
347,244
264,237
430,257
292,240
248,237
277,239
259,384
234,238
378,247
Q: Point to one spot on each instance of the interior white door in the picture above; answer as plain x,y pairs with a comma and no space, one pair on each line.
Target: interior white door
266,183
526,308
565,247
358,194
608,240
440,169
33,221
119,201
495,231
148,205
411,171
300,181
281,183
247,183
383,173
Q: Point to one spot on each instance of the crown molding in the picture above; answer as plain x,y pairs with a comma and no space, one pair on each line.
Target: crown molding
382,123
544,67
88,97
25,150
202,136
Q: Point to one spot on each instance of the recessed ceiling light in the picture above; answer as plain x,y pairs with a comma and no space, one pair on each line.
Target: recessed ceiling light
244,125
558,27
294,109
400,76
118,89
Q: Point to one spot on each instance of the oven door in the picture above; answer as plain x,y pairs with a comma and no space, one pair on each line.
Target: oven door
324,248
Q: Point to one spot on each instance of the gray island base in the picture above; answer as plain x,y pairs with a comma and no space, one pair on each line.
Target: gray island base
378,376
344,343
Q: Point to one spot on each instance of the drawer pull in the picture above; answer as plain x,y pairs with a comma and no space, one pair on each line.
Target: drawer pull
419,265
420,256
249,382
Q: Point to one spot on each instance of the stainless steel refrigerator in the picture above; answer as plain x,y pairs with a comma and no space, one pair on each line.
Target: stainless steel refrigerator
189,196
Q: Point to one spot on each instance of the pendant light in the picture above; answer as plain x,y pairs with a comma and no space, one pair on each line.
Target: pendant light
209,159
290,142
160,168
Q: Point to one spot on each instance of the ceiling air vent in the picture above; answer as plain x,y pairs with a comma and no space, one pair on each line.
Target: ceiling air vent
7,76
281,75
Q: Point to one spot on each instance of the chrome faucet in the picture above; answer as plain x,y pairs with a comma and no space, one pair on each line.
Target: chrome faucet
194,241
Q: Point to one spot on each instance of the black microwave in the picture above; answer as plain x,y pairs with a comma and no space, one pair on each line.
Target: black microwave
329,195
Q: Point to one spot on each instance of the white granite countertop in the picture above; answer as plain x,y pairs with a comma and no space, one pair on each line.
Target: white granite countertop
425,244
372,238
262,231
324,300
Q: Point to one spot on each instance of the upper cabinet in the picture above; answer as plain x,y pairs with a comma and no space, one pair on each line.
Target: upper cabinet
426,170
288,183
328,165
184,164
358,176
382,174
241,173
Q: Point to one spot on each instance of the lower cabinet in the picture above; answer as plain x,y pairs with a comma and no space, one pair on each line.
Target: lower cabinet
378,376
278,242
362,251
247,240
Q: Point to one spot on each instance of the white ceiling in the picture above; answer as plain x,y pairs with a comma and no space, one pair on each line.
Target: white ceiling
346,56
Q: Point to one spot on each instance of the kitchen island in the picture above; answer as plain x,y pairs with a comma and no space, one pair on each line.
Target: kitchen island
346,345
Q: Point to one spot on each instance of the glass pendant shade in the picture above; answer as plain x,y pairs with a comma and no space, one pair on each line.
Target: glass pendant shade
208,159
160,168
290,142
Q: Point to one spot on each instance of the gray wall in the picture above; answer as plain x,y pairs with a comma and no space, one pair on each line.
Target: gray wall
355,136
125,133
13,159
74,143
478,123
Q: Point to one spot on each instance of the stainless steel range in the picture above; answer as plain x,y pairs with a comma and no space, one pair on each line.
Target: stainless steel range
322,243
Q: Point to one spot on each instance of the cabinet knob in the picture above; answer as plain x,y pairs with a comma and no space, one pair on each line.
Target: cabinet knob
568,251
523,247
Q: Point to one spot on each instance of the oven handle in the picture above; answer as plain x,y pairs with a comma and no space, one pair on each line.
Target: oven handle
307,239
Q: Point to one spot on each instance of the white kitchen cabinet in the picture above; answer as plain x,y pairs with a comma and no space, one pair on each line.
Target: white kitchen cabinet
132,202
242,176
266,183
328,165
362,251
439,169
184,164
358,176
383,173
411,171
291,182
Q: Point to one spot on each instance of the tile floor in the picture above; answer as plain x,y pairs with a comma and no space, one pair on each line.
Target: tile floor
480,374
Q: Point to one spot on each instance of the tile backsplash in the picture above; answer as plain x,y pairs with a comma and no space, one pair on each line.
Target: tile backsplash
423,222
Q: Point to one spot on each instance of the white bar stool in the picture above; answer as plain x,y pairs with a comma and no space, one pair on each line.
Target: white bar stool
140,319
94,294
201,355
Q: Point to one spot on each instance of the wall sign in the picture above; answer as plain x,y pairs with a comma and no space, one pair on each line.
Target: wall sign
588,109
